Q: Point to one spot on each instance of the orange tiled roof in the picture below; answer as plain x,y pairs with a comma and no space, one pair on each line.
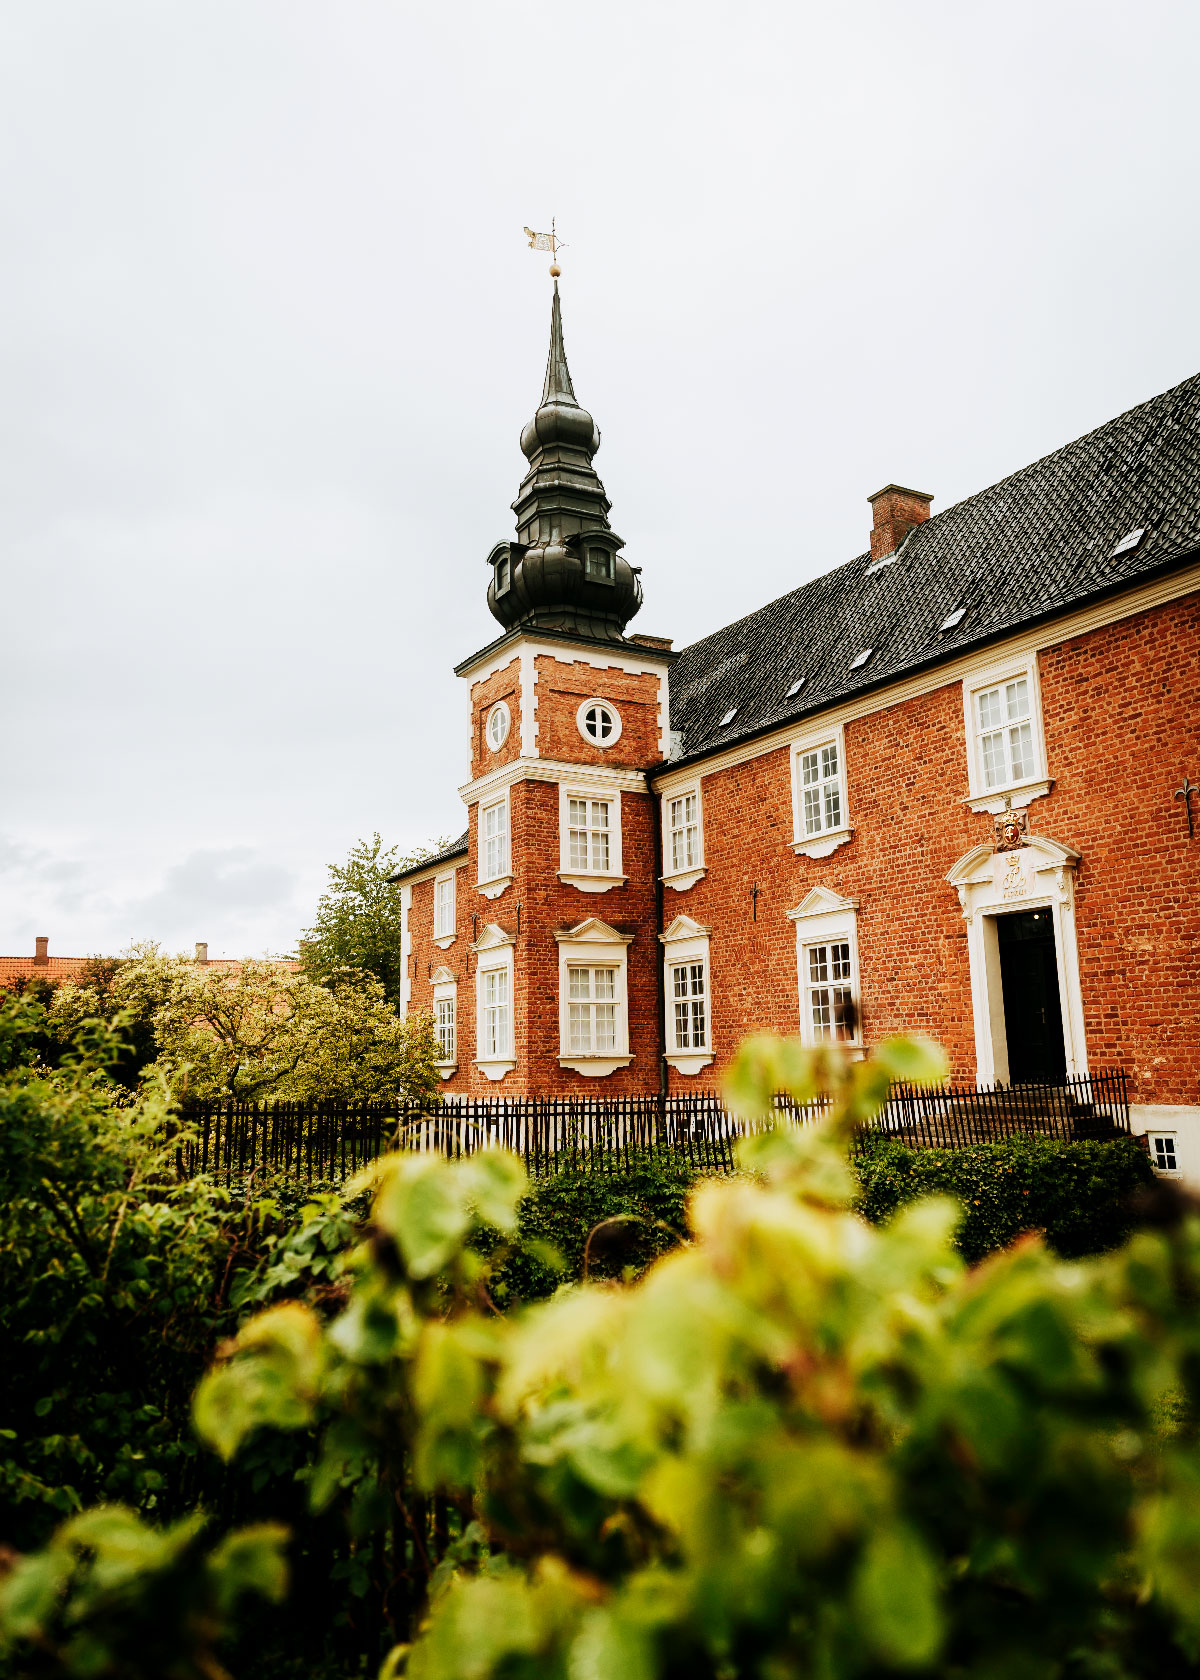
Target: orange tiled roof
70,968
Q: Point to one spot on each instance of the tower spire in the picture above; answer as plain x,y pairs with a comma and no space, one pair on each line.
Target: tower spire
565,571
558,387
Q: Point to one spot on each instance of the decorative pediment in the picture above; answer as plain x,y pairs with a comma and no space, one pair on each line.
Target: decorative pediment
683,927
976,865
821,901
592,931
491,937
443,976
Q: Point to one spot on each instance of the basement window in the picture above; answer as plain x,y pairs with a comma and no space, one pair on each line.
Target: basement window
952,619
1129,542
795,688
860,659
728,718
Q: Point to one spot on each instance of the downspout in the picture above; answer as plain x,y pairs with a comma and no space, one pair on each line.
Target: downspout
660,981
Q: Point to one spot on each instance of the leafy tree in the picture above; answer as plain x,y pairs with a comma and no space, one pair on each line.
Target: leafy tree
265,1030
133,987
358,920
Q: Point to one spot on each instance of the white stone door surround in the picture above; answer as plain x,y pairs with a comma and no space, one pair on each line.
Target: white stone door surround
1038,875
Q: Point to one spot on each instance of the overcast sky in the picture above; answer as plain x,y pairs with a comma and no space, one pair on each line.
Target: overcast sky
269,332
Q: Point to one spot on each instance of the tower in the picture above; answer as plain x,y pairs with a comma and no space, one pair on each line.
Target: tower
557,984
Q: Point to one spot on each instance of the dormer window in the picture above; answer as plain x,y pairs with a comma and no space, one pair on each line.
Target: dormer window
503,574
599,565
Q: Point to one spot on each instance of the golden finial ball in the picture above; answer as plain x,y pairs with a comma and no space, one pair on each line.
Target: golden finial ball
555,270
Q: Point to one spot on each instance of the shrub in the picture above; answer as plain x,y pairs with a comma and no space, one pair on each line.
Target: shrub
1080,1195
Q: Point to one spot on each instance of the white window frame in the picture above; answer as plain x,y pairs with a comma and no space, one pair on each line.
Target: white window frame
1014,794
682,879
827,840
492,884
593,944
445,991
1171,1142
445,927
494,953
499,723
684,943
590,879
826,918
581,714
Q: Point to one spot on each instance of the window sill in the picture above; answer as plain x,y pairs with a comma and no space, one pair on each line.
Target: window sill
443,941
685,879
822,845
495,1067
592,883
998,800
687,1061
594,1067
493,889
446,1069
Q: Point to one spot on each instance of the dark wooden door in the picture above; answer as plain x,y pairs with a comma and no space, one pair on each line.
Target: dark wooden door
1032,1011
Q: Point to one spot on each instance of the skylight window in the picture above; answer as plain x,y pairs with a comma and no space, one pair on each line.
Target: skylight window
860,659
953,619
728,718
1129,542
795,688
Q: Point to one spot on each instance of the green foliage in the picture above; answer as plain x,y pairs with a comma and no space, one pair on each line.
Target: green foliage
358,919
110,1286
110,1595
129,990
1080,1195
798,1444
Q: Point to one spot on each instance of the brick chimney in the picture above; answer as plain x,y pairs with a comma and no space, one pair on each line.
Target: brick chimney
201,950
895,511
41,950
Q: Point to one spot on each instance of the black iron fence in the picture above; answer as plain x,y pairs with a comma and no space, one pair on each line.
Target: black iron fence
312,1142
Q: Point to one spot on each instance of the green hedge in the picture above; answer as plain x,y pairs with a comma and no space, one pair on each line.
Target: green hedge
1079,1194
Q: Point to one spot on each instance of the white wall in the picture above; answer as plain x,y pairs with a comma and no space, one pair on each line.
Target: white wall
1182,1126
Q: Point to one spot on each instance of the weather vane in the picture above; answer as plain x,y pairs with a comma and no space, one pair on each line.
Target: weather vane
546,242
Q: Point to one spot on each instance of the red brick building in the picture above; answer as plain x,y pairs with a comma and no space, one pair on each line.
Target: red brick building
941,788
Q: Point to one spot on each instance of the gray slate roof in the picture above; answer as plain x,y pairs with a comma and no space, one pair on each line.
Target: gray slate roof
1026,549
456,848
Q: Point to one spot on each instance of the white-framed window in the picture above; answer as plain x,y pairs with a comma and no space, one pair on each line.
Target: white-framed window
683,837
495,1016
1006,749
445,1020
599,723
495,1037
828,991
444,906
493,841
683,831
1162,1152
827,968
689,1004
820,819
820,789
589,818
445,1025
687,973
593,998
499,721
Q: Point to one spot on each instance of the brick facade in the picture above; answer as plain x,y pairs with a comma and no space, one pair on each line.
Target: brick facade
1118,713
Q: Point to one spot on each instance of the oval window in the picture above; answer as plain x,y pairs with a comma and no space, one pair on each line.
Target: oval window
497,725
599,722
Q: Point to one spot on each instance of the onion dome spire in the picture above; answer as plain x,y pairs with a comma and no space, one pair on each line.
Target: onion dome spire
565,571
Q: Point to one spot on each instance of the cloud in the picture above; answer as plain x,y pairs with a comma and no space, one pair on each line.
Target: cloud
214,889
